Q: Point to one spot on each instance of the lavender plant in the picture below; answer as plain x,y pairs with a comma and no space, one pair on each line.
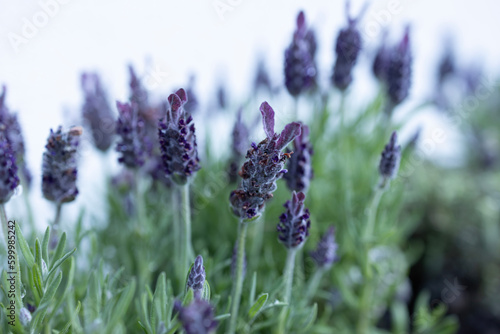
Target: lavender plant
299,166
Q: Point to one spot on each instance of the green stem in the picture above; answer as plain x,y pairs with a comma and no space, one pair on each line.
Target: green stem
288,277
257,240
187,253
372,213
314,283
345,156
238,280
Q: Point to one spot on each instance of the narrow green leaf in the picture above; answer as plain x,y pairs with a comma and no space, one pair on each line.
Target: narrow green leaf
252,289
45,302
59,250
205,294
66,328
222,317
38,254
159,305
145,313
308,322
121,306
188,297
258,305
45,245
25,249
37,280
60,261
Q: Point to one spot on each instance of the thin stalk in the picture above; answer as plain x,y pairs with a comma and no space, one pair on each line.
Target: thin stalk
345,156
187,253
55,227
238,280
288,277
364,317
257,240
314,283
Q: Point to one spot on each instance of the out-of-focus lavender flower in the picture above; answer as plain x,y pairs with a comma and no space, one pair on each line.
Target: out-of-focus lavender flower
446,66
399,71
300,69
130,128
265,164
221,97
59,168
191,106
239,144
138,93
390,158
381,60
11,130
196,277
293,228
234,260
8,170
197,317
262,80
299,166
347,49
125,183
97,112
178,140
326,250
472,78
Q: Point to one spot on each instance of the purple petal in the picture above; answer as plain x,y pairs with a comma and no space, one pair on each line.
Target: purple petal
175,104
288,134
301,21
181,93
267,119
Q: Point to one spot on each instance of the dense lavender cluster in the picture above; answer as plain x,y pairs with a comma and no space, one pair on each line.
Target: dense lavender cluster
399,69
293,228
59,169
300,69
325,253
97,112
196,277
178,140
130,128
265,164
8,171
347,49
299,166
390,158
197,317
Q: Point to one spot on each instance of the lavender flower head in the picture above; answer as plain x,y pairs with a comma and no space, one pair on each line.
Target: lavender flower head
399,71
265,164
293,228
130,127
300,170
196,277
347,49
300,69
326,250
59,168
178,140
197,317
391,156
97,111
8,171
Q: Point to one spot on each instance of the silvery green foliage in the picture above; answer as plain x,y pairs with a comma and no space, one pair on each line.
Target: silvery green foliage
178,140
300,69
299,166
196,277
293,228
59,169
97,112
325,253
390,158
264,165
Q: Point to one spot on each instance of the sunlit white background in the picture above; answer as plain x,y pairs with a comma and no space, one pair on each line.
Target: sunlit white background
183,37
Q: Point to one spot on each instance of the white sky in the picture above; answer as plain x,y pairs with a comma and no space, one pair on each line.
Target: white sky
183,37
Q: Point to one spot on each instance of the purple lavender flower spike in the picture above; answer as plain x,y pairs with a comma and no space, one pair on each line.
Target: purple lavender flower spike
59,168
381,60
138,94
300,173
264,165
326,250
399,71
196,277
390,158
130,129
293,228
197,317
97,111
262,80
178,140
300,69
8,171
347,49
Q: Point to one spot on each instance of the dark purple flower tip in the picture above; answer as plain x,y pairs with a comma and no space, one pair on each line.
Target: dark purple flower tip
267,119
390,158
301,21
197,317
181,93
196,277
293,228
326,251
59,168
